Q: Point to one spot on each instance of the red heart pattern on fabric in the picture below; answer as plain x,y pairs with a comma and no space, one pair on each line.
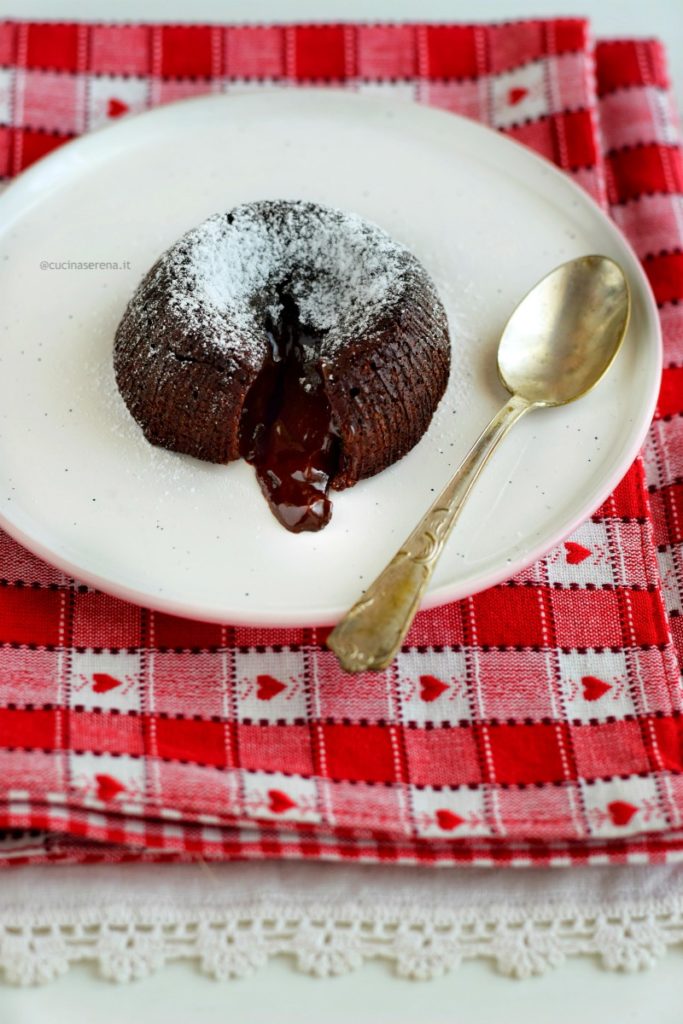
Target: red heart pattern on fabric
516,95
108,787
576,553
447,820
594,688
279,802
621,812
102,682
115,108
431,688
268,687
165,691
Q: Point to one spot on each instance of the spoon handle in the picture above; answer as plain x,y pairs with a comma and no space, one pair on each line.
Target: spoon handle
370,634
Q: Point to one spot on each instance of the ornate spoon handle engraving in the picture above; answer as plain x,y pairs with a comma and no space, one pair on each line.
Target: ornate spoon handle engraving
370,634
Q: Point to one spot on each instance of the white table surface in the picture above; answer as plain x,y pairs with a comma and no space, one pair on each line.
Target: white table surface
579,991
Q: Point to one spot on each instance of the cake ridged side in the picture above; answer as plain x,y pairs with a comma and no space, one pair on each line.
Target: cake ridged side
186,396
384,392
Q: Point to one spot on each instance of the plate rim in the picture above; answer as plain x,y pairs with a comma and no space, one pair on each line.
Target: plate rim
444,593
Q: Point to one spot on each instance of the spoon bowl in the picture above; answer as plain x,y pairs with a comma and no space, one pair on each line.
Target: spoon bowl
562,337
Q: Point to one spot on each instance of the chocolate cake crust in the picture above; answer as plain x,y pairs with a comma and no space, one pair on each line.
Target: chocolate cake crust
193,340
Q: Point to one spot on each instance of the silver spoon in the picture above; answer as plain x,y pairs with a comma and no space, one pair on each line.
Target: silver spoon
559,342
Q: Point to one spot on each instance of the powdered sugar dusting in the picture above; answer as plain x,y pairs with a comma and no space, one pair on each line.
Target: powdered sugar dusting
341,270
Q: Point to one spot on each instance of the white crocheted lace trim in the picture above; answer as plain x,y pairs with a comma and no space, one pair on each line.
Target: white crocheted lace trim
128,942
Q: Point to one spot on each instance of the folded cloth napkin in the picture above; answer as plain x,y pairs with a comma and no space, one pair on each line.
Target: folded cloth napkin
537,722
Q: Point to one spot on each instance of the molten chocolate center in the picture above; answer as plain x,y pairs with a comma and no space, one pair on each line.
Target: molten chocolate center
286,431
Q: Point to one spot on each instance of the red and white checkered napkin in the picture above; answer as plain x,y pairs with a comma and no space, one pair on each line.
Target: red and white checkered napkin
539,721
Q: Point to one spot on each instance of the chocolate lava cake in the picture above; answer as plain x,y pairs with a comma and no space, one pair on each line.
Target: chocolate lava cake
299,337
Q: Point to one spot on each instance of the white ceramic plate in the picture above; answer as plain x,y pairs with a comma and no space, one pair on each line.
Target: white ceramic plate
81,487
